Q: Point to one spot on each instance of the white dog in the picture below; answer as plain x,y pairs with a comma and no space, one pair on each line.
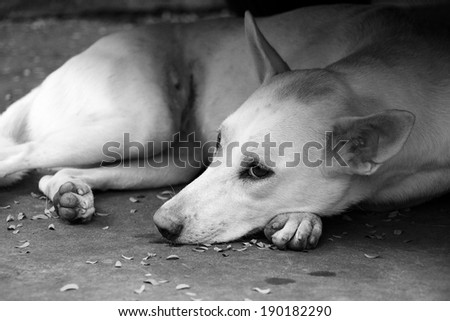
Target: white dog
375,78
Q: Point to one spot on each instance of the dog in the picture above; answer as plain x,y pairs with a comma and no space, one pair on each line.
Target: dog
376,78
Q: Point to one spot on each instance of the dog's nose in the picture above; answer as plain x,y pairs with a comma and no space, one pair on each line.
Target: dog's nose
167,224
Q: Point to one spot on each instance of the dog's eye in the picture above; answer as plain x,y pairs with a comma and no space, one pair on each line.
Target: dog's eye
259,172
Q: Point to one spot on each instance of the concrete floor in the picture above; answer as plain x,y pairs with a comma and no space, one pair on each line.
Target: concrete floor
414,265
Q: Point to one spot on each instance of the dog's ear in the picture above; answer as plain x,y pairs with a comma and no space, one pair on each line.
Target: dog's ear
373,139
268,62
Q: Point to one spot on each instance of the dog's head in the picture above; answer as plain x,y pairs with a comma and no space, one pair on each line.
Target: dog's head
288,148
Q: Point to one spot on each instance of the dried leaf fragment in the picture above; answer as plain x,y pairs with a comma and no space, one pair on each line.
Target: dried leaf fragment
128,258
16,231
101,214
155,282
91,262
39,217
35,195
23,245
118,264
51,227
133,200
21,216
5,207
133,210
371,256
140,290
11,227
9,218
70,286
190,293
182,287
172,257
105,228
262,291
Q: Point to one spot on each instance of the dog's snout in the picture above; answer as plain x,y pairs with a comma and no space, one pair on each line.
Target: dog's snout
167,225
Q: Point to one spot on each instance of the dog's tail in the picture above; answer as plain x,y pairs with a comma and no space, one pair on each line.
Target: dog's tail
13,128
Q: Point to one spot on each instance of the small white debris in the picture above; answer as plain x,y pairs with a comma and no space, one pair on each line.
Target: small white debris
128,258
91,262
35,195
191,293
148,274
23,245
21,216
155,282
67,287
182,287
262,291
39,217
140,290
16,231
133,200
11,227
371,256
9,218
51,227
16,202
253,241
105,228
19,225
165,195
145,263
101,214
132,211
5,207
118,264
172,257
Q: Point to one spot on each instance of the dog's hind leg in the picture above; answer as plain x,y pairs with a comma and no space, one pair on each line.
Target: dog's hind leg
71,189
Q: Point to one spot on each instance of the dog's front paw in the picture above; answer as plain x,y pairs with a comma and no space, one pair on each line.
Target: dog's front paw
295,231
74,202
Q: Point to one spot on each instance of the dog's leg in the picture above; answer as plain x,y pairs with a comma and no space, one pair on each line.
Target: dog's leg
295,231
71,189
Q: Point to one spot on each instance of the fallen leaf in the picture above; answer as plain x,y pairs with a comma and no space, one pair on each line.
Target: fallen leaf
92,262
39,217
16,231
23,245
47,212
165,195
101,214
9,218
145,263
371,256
140,290
253,241
21,216
148,274
19,225
132,211
128,258
105,228
163,281
67,287
337,236
218,249
172,257
262,291
16,202
149,254
133,200
155,282
51,227
199,250
11,227
35,195
182,287
118,264
5,207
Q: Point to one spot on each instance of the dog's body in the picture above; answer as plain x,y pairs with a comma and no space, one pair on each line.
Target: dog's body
383,69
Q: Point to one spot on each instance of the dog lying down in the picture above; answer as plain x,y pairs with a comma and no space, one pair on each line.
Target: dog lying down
348,105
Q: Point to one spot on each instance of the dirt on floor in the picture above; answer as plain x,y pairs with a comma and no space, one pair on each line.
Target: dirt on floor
401,255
